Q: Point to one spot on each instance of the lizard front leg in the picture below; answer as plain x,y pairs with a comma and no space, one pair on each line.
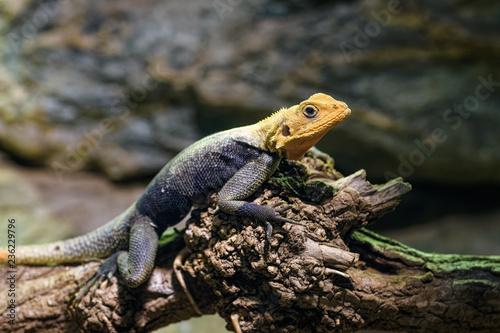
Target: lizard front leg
244,183
240,186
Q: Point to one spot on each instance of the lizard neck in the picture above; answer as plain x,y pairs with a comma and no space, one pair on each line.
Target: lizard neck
266,131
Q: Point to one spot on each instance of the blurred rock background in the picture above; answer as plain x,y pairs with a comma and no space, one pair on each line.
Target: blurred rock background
114,89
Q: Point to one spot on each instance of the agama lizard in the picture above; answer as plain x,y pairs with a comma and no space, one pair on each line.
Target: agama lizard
235,163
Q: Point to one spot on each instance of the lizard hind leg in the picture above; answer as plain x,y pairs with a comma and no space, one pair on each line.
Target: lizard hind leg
135,265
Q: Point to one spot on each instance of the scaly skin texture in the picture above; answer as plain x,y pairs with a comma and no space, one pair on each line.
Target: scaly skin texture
234,162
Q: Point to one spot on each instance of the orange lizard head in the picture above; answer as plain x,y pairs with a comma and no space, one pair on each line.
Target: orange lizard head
300,127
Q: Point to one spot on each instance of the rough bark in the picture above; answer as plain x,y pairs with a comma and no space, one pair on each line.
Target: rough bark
43,304
332,275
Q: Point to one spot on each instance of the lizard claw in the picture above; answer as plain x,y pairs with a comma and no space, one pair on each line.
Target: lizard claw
269,230
278,203
278,208
107,269
282,206
280,218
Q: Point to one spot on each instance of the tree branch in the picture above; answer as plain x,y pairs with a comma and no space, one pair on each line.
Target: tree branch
42,301
425,292
332,274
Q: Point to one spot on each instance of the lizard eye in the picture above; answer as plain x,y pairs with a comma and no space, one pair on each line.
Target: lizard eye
310,111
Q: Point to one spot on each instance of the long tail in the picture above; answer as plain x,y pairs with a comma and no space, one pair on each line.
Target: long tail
99,243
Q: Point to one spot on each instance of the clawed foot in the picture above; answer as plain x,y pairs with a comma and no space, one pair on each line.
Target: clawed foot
280,207
107,269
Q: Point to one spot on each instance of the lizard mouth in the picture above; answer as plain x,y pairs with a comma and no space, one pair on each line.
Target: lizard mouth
323,125
297,146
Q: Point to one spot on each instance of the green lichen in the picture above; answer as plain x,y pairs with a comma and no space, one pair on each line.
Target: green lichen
480,282
292,176
433,262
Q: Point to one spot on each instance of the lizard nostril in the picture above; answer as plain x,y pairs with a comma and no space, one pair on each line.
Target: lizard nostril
285,130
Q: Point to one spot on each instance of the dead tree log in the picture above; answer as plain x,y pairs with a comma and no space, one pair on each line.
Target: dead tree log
332,275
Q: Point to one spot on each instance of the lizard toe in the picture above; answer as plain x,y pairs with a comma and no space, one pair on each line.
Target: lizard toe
279,218
107,269
284,207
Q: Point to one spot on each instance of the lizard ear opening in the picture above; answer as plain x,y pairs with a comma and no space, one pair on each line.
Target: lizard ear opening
285,130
